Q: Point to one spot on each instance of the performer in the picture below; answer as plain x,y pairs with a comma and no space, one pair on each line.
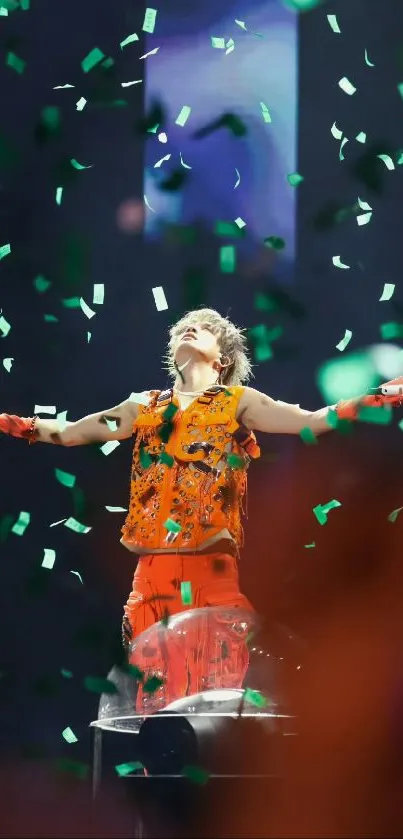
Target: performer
193,444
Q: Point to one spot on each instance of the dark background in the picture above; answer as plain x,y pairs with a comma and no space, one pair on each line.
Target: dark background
338,596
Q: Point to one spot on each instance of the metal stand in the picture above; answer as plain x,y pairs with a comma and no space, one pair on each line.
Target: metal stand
96,760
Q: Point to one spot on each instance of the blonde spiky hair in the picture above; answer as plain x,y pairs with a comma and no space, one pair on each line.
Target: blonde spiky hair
231,338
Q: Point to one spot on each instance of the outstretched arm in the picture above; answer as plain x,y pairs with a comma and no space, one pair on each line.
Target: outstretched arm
112,424
260,412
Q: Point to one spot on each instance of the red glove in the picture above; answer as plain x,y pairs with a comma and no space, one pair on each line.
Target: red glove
390,393
23,427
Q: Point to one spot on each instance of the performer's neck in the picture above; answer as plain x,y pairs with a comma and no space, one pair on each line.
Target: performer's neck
196,378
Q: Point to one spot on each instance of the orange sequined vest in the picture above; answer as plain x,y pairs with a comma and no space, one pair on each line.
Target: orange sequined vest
189,470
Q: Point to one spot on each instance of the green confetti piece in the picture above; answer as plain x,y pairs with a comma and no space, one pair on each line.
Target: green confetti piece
67,674
387,160
255,698
79,166
49,558
276,243
265,112
41,284
347,86
80,105
149,21
24,5
394,514
51,319
308,437
341,346
166,459
339,264
361,137
16,63
21,524
391,330
65,478
228,229
367,61
5,527
230,46
183,116
333,23
322,510
5,250
172,526
152,684
335,132
295,179
343,143
50,118
97,684
69,735
227,259
381,415
77,574
195,774
186,593
124,769
88,337
92,59
129,40
76,526
311,545
170,412
235,461
109,447
145,459
73,767
59,195
388,291
7,364
400,89
71,303
218,43
4,326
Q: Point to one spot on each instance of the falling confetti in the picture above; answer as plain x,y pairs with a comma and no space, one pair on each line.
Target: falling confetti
341,346
5,250
186,593
129,40
227,259
49,558
75,525
183,116
338,263
92,59
394,514
332,19
388,291
322,510
160,299
387,160
152,52
77,574
7,364
69,736
124,769
21,524
65,478
367,61
238,181
347,86
265,112
149,21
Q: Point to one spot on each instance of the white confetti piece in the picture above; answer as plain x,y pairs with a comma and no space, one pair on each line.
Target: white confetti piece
55,523
218,43
240,222
344,341
361,137
343,143
80,105
160,299
265,112
77,574
7,364
364,205
99,294
241,24
63,86
62,420
230,46
335,132
367,61
129,84
147,203
49,558
185,165
116,509
364,219
45,409
109,447
332,19
86,309
59,195
388,290
338,263
159,163
238,181
162,137
4,326
152,52
347,86
140,398
183,115
88,337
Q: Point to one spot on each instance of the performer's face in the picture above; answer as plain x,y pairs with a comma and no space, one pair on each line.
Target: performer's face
197,340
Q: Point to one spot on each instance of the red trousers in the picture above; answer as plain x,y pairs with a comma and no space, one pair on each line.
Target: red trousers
211,653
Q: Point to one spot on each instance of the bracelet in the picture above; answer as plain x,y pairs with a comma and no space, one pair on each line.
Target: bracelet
31,432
